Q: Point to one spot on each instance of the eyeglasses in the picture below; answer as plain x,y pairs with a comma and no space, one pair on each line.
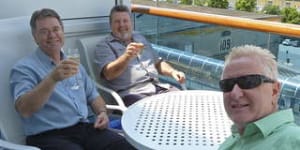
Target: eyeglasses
46,32
244,82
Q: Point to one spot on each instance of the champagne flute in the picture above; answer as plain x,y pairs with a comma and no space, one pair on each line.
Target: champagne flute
141,46
149,73
73,54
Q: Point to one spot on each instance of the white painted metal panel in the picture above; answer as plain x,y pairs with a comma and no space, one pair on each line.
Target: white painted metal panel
66,8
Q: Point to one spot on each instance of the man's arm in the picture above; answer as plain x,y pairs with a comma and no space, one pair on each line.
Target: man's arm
166,69
99,108
33,100
117,67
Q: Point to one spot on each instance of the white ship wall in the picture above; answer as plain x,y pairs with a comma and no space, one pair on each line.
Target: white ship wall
66,8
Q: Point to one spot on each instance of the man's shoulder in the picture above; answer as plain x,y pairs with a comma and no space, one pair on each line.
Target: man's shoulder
290,129
104,41
28,60
138,35
288,136
107,38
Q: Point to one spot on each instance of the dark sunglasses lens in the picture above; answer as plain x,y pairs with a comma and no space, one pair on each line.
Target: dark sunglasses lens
226,85
244,82
249,82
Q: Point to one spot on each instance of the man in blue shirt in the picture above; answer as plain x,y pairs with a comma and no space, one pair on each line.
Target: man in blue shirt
251,90
53,113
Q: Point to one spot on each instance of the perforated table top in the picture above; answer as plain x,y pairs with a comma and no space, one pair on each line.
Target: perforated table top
177,120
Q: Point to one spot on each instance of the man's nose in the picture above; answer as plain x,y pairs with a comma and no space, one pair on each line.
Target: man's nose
122,23
236,91
51,34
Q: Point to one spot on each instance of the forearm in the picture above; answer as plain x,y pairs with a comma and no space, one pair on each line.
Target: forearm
99,105
32,101
99,109
116,68
165,68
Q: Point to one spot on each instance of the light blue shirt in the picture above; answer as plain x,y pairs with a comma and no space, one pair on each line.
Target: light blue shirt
276,131
65,106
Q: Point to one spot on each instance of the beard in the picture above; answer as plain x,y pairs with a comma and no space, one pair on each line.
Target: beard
124,36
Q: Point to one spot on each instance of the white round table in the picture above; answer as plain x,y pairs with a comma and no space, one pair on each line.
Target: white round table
185,120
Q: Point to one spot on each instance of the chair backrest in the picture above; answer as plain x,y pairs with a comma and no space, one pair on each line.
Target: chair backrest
15,42
87,46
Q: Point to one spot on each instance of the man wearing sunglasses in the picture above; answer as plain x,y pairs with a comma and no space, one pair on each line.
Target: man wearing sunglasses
251,91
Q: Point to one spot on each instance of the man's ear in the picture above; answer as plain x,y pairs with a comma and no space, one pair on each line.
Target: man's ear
276,91
34,37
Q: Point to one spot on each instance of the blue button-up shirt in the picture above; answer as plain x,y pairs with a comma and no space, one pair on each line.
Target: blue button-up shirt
65,106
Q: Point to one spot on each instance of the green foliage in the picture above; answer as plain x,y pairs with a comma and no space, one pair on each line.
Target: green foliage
200,2
190,2
271,9
218,3
186,2
245,5
290,15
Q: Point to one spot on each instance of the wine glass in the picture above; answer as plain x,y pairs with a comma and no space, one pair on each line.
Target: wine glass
141,46
73,54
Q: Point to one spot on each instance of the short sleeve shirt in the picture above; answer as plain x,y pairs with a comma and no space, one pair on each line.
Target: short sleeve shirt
135,79
65,106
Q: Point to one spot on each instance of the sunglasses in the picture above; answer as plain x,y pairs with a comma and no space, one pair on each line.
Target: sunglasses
244,82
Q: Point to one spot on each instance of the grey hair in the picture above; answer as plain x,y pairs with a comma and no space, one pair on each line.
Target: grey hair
266,58
41,14
118,8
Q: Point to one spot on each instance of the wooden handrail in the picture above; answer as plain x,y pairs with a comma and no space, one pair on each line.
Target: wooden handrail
236,22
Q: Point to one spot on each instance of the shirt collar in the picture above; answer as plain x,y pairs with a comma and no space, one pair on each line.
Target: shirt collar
43,56
274,120
267,124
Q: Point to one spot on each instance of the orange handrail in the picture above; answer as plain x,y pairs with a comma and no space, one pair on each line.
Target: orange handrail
237,22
